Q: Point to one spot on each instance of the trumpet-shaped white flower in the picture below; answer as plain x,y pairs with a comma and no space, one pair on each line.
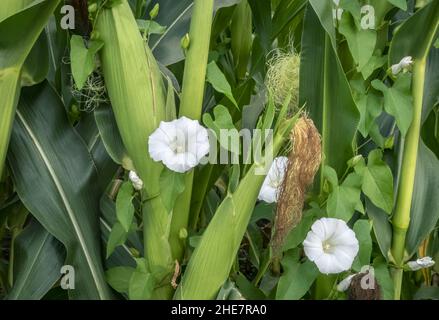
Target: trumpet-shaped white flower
135,180
422,263
331,245
180,144
404,64
273,181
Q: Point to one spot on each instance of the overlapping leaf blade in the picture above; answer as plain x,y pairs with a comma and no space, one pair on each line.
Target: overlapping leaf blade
54,174
324,87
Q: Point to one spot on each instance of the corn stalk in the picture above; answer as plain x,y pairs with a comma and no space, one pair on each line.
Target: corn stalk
191,105
401,217
136,92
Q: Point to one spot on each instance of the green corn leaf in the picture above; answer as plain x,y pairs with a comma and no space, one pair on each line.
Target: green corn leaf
242,37
38,258
41,134
325,89
425,205
25,21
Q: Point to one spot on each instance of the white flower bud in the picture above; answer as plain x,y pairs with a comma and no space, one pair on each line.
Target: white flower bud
404,64
422,263
135,180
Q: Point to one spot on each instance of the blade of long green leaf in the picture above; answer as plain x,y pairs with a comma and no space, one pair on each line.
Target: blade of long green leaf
37,263
324,88
54,177
25,24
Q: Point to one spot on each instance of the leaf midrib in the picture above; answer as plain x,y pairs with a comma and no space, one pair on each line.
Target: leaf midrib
28,271
67,206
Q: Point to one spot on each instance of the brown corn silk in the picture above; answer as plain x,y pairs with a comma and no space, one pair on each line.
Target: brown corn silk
303,163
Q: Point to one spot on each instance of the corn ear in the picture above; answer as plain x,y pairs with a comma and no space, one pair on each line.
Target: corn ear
136,92
214,256
242,37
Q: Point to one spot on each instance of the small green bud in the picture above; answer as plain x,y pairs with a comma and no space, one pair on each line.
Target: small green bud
134,252
185,41
94,35
155,11
355,160
389,143
75,109
183,233
92,8
326,187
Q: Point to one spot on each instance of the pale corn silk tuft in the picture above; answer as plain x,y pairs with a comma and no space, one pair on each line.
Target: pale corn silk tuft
282,78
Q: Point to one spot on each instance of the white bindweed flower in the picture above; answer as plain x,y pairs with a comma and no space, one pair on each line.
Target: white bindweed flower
422,263
273,181
404,64
180,144
331,245
345,283
135,180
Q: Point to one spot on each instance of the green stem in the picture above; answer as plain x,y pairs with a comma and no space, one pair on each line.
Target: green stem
401,218
200,193
15,233
191,106
156,246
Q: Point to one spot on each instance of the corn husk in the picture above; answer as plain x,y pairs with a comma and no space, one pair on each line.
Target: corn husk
136,92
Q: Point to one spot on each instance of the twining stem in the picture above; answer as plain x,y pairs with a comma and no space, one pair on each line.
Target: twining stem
401,218
191,106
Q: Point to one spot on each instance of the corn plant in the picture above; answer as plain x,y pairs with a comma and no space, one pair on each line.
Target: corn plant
219,149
